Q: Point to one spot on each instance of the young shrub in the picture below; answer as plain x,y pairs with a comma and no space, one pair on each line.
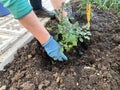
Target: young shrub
69,34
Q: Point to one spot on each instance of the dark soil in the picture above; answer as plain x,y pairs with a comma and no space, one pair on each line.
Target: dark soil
92,65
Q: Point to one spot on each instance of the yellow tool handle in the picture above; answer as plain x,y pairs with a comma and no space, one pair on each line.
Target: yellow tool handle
88,13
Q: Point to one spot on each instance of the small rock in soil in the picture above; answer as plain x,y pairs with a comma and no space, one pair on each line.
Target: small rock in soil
3,87
28,86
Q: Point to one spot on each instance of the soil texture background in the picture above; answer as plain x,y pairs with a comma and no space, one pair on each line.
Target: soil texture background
92,65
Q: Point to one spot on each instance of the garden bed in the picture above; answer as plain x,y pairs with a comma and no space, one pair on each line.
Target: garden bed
92,65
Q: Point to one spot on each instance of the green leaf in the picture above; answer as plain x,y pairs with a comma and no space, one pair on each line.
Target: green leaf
87,37
81,40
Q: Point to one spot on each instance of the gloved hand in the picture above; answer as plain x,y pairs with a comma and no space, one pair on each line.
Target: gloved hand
53,49
70,13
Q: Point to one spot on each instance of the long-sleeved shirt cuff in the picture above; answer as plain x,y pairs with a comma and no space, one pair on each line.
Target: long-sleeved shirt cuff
19,8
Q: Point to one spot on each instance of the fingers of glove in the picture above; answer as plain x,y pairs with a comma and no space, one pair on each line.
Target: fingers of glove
58,56
62,58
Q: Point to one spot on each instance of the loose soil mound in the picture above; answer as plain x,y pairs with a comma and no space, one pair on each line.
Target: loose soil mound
93,65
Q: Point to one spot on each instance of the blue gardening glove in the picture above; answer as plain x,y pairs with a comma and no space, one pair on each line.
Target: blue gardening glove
53,49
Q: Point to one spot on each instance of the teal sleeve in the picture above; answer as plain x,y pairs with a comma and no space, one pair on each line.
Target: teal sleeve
19,8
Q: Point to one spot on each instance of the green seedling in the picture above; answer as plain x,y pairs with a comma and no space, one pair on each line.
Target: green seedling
69,34
100,4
